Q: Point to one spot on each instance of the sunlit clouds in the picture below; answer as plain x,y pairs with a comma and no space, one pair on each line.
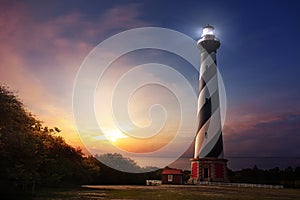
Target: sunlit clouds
40,58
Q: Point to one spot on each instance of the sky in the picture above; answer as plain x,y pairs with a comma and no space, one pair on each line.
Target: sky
44,43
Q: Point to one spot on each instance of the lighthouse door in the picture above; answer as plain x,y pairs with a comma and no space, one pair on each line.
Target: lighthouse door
205,173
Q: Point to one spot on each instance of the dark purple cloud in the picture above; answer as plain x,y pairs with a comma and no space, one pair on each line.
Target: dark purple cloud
277,136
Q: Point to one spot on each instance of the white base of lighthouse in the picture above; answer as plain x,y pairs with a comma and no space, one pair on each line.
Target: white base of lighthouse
208,169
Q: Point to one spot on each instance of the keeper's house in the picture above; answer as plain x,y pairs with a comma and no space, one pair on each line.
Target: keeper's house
172,176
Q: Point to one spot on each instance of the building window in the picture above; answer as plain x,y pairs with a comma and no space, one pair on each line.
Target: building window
170,178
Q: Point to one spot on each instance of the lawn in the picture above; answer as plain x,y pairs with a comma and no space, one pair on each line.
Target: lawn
168,192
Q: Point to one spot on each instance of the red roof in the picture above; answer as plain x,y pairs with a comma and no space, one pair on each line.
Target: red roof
171,171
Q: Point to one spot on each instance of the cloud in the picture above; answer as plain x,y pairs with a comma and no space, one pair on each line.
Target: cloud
271,136
40,58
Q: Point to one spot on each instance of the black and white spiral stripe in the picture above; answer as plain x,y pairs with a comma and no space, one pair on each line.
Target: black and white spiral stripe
209,141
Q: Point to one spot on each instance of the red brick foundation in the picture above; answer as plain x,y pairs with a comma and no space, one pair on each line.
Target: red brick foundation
208,169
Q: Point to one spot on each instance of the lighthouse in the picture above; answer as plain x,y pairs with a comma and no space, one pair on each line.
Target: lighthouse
208,163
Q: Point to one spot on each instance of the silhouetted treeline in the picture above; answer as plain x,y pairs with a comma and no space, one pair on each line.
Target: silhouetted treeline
33,156
288,177
123,164
111,176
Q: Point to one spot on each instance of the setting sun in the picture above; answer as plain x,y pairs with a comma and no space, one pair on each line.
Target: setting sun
114,135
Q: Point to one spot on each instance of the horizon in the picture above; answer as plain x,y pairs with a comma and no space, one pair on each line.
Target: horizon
45,43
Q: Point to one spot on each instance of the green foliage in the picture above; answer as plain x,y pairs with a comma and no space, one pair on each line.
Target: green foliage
18,144
32,155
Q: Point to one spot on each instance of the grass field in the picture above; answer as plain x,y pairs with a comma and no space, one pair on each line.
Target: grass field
168,192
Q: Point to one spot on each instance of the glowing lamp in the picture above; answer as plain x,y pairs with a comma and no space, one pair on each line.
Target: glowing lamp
208,36
208,30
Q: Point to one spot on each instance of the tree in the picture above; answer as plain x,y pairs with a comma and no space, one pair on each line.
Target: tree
31,154
17,142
